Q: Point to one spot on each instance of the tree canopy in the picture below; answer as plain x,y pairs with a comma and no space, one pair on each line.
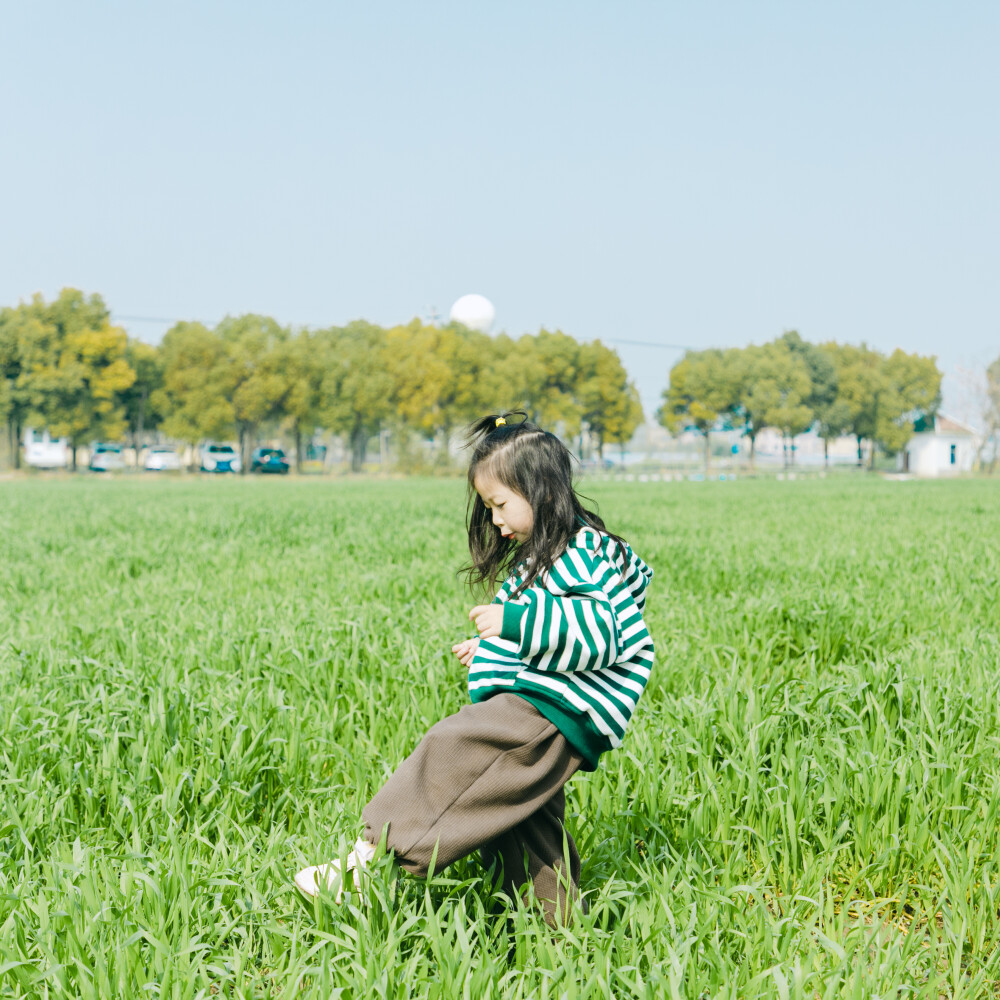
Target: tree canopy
792,386
64,365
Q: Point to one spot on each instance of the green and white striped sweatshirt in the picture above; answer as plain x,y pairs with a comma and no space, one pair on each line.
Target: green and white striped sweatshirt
574,643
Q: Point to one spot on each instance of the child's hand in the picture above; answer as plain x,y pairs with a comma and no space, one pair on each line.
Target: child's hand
488,619
465,651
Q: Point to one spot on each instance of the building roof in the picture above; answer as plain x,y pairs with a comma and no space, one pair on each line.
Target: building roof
941,423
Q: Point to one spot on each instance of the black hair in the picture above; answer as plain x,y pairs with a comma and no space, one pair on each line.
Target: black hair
539,467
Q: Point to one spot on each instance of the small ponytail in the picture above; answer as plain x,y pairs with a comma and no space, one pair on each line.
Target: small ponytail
496,423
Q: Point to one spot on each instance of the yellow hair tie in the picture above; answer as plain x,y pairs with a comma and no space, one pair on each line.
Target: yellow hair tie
500,422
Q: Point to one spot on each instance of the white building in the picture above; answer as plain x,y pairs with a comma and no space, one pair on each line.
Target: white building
941,446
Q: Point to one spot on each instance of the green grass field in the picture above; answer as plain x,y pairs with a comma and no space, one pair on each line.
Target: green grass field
202,682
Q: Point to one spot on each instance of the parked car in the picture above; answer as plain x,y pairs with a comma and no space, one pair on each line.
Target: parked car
42,451
107,458
162,459
220,458
269,460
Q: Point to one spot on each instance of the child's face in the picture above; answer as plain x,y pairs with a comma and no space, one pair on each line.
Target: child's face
512,514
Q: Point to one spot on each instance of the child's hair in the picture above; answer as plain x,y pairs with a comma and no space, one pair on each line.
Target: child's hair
538,466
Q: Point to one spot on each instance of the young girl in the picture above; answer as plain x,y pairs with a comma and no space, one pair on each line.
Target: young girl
560,661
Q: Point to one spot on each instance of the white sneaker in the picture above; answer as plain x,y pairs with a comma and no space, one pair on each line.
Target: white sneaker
317,878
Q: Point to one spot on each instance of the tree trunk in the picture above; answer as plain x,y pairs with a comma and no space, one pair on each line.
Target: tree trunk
826,453
871,457
245,431
359,449
72,449
18,436
298,448
140,427
708,453
861,461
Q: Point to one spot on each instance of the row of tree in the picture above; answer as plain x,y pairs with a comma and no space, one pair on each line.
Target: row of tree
65,366
794,386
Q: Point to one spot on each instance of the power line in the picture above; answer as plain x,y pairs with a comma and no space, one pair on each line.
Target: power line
649,343
144,319
610,340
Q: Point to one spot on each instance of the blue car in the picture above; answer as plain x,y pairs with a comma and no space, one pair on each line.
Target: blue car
269,460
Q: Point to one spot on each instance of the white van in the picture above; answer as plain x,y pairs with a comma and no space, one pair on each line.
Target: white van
41,451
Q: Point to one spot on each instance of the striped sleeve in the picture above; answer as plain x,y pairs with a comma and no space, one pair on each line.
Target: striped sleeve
573,630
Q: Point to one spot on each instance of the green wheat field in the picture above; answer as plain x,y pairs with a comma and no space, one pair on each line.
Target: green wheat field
203,680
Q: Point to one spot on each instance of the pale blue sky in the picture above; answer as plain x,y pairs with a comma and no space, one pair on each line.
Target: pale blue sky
704,174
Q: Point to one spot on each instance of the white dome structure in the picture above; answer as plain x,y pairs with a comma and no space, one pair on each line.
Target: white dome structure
474,311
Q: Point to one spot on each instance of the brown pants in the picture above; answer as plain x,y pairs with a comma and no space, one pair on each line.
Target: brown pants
490,778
